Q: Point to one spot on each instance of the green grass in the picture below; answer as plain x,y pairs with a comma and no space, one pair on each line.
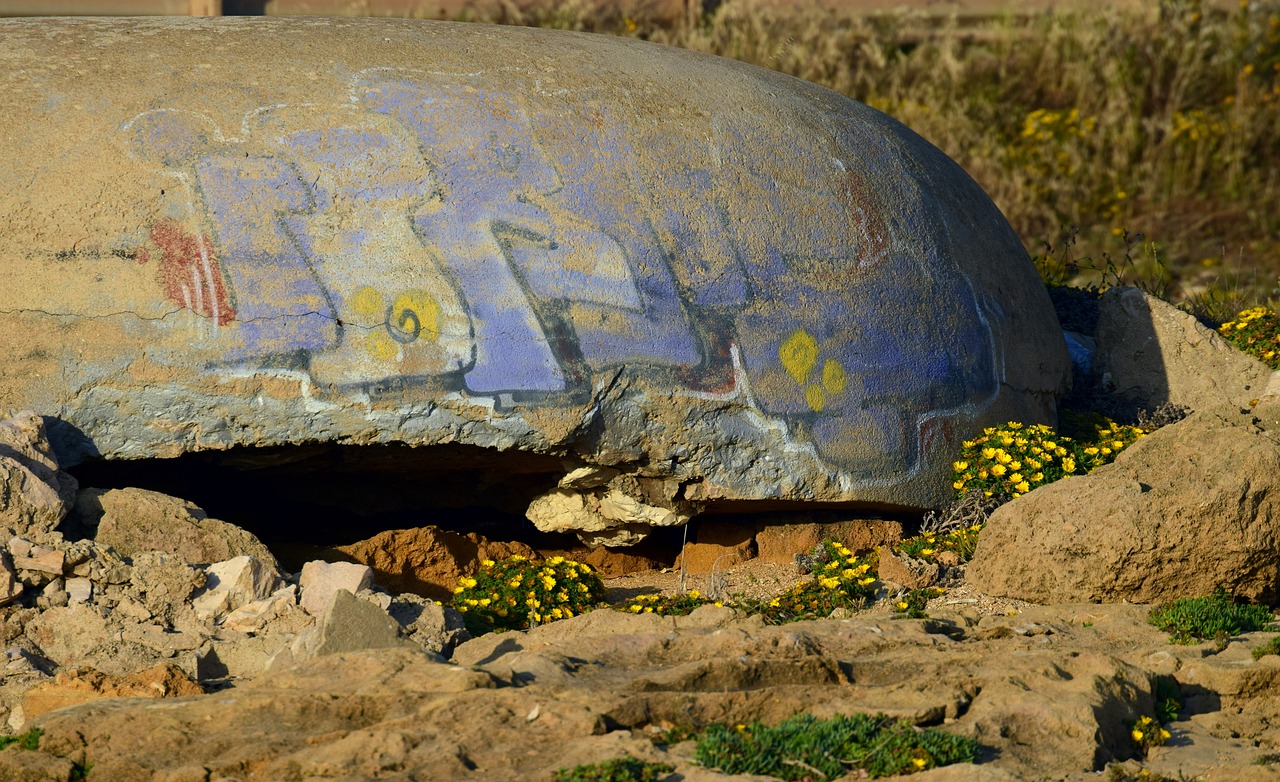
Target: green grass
625,769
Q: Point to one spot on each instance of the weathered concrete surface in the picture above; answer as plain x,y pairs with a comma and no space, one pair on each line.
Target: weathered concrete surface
716,281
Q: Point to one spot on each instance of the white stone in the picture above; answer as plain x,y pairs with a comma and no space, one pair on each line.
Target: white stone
252,617
320,580
79,590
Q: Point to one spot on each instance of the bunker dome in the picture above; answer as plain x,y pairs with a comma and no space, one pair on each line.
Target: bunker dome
687,279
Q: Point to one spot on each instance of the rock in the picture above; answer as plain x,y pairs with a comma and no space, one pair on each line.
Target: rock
233,583
81,685
779,543
434,627
270,611
10,586
425,560
320,581
1150,353
824,306
718,545
348,624
165,584
1186,510
137,520
34,494
906,572
21,765
41,560
611,562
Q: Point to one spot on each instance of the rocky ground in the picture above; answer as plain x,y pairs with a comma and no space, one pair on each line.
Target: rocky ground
151,642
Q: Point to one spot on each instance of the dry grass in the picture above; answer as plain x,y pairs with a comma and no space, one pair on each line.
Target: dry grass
1164,122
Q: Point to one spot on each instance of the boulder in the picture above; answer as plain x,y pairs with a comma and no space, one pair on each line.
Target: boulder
427,561
1151,353
320,581
234,583
34,494
1188,509
718,545
136,520
780,542
82,685
713,281
348,624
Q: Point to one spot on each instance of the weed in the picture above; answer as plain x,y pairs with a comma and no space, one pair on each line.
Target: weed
29,740
1147,734
1270,647
912,604
1168,698
624,769
1201,618
804,747
961,543
516,593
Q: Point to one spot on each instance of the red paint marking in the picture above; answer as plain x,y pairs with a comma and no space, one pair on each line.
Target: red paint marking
870,225
190,273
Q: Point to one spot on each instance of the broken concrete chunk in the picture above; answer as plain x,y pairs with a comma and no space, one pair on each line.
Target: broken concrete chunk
850,307
34,494
321,580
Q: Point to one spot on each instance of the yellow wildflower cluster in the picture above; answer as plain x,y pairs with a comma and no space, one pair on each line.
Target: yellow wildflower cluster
1048,125
1148,733
1196,125
840,580
666,605
1255,331
929,545
1013,459
516,593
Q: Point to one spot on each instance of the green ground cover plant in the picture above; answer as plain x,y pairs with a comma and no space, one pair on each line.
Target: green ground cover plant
1270,647
1217,616
29,740
805,747
625,769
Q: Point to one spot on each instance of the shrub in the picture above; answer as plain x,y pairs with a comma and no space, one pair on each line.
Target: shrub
1199,618
912,604
625,769
516,593
804,747
1256,332
1011,460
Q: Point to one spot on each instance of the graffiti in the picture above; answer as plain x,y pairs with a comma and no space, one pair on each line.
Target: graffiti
190,273
435,228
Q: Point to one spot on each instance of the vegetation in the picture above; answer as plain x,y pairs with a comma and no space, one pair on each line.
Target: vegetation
1270,647
625,769
29,740
804,747
1161,118
1147,734
517,593
1196,619
1256,331
1011,460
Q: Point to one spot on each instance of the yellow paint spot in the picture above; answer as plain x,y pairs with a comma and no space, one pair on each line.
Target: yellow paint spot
816,397
798,354
834,377
414,315
366,301
381,346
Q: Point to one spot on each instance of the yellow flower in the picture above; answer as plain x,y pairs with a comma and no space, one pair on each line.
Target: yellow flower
960,466
694,593
988,453
488,563
998,470
1068,465
919,762
902,605
468,582
1137,735
1023,487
